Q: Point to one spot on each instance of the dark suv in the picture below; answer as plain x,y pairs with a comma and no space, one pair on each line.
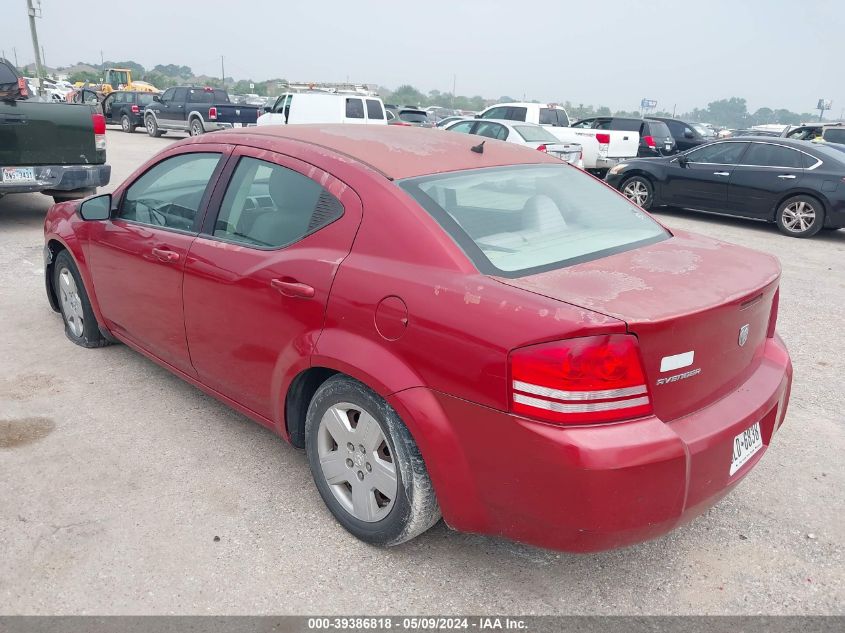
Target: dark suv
126,108
685,135
655,137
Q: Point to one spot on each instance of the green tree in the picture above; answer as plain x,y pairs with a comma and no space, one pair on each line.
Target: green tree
731,112
408,95
93,78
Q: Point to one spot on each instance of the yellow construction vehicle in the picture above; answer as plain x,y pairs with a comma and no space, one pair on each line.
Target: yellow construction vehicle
121,79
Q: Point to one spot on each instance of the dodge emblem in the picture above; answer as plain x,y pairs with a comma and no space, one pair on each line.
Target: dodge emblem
743,334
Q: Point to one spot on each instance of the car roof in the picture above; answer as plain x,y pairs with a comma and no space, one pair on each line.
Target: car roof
396,152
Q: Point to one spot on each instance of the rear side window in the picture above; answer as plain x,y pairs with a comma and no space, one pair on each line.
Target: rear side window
767,155
834,135
354,109
6,75
374,110
518,220
562,119
170,193
628,125
269,206
515,113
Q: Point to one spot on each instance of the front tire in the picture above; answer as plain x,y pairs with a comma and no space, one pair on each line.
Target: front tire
126,124
152,127
75,307
800,216
638,190
366,465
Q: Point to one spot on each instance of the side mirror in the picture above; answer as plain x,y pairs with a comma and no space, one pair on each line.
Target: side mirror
683,161
477,116
156,98
688,134
96,208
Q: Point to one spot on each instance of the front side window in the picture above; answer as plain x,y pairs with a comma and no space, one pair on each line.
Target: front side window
269,206
169,195
168,94
354,109
522,219
515,113
374,110
717,153
767,155
500,112
464,127
180,94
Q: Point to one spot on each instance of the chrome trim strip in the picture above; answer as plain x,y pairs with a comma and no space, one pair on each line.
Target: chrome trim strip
548,392
559,407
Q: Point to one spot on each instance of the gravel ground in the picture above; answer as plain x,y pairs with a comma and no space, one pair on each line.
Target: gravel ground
117,477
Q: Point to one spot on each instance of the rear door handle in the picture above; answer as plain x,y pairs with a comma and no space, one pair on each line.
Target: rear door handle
165,255
292,288
787,176
721,173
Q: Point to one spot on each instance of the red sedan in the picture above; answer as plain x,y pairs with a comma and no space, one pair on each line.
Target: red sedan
474,330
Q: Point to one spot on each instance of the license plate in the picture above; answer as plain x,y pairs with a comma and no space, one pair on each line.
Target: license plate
745,445
18,174
238,124
668,147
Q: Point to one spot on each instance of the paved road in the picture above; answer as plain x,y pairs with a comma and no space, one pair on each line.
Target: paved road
111,502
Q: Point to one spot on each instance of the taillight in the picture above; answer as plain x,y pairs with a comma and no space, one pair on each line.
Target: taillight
23,89
773,315
586,380
99,122
212,113
604,143
135,109
542,148
649,140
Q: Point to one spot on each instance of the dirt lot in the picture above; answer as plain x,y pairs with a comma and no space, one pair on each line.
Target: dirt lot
117,477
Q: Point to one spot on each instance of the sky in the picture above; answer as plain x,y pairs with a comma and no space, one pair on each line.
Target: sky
683,53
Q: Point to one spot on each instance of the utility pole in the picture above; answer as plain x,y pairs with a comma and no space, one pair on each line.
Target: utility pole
15,51
102,62
222,71
454,81
673,110
38,68
44,60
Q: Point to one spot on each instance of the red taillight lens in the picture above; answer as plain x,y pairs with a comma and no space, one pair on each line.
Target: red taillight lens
99,123
23,89
603,139
586,380
649,140
542,148
212,113
135,109
773,315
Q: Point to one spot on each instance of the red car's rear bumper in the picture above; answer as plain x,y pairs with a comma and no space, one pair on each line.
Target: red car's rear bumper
588,488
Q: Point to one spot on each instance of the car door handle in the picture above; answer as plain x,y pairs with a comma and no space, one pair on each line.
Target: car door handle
787,176
165,255
721,173
292,288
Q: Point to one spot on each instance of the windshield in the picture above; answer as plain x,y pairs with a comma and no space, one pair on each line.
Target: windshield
521,219
535,134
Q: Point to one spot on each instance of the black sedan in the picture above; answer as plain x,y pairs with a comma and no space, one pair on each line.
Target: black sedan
796,184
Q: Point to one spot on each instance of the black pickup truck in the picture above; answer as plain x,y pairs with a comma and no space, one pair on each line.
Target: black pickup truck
196,111
56,148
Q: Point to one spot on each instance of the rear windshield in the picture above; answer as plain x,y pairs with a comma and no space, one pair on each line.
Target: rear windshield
629,125
659,129
145,98
535,134
523,219
413,116
201,95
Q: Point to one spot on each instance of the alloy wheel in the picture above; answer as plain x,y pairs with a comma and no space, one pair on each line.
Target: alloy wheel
798,216
71,303
636,192
357,462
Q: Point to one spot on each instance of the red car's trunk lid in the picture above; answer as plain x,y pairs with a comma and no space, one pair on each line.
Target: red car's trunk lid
699,307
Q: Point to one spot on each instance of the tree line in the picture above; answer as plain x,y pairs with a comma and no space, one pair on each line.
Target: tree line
730,113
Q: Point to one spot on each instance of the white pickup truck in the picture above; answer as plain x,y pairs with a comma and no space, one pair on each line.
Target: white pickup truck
602,149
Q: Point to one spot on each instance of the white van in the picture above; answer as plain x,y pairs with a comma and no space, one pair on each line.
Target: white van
320,107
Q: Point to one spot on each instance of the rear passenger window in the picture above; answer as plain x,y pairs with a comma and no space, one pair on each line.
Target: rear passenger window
515,113
374,110
767,155
269,206
354,109
562,119
170,193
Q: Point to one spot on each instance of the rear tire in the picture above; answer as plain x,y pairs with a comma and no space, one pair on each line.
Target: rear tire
126,124
639,190
152,126
800,216
80,323
366,465
196,128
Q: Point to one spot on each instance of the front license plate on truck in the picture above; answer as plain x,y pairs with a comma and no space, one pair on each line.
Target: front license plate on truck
17,174
745,445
